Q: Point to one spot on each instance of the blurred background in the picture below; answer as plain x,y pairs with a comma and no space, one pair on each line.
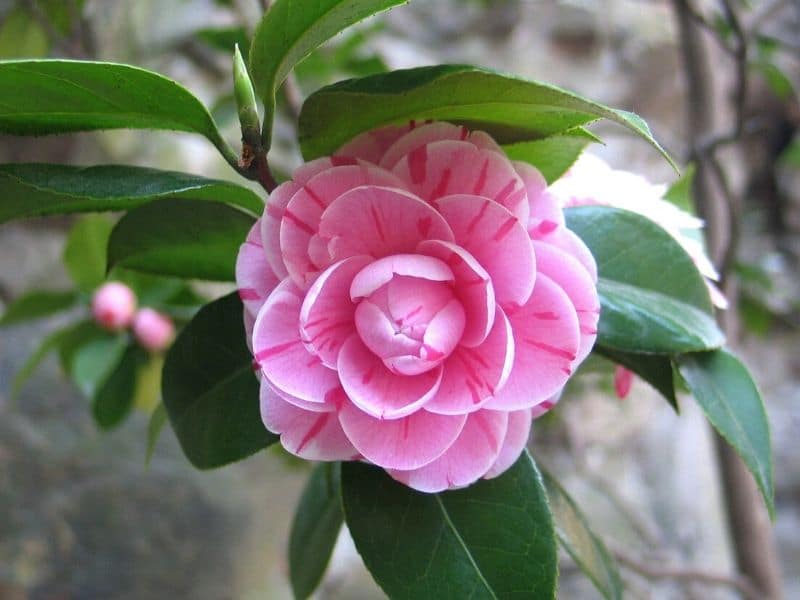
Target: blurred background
81,514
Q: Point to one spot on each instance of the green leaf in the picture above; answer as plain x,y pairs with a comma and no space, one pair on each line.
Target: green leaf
577,538
315,528
48,344
654,300
21,36
508,108
180,238
290,31
37,304
494,539
225,39
158,419
95,359
210,391
32,190
730,399
113,400
680,192
60,96
553,155
654,369
85,252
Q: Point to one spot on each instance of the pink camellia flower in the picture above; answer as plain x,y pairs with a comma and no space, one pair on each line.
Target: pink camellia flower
411,301
153,330
113,306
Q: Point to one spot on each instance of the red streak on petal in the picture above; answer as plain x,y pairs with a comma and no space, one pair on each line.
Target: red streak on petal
546,316
503,195
476,219
313,431
476,397
254,243
315,322
267,352
406,424
315,360
432,353
546,227
481,183
424,226
298,222
315,197
475,355
505,229
547,405
487,431
378,224
441,187
551,349
341,161
464,133
588,330
418,164
249,294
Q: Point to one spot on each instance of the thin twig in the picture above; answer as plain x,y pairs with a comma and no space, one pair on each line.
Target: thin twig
739,583
740,56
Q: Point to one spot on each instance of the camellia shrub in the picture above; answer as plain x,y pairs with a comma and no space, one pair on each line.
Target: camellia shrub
405,305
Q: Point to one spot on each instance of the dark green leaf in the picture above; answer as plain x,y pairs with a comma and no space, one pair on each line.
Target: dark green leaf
113,400
291,30
32,190
494,539
730,399
95,359
180,238
654,369
510,109
85,252
35,305
49,343
551,155
61,96
315,528
209,388
158,419
577,538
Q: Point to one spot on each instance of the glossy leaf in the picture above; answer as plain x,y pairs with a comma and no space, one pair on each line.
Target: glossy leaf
509,108
85,252
552,155
494,539
61,96
210,390
726,392
654,300
577,538
32,190
654,369
94,359
114,399
316,526
180,238
291,30
37,304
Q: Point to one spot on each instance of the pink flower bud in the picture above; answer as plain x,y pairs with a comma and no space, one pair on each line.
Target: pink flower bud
153,330
113,306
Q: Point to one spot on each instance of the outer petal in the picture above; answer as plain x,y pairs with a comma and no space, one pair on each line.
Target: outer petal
545,209
371,145
546,340
497,240
545,406
326,315
379,222
567,241
310,435
300,223
407,443
572,277
254,277
283,358
453,167
473,287
472,375
519,429
467,460
434,132
373,388
271,225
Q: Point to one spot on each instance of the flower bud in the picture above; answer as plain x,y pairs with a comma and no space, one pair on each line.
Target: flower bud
245,101
153,330
113,306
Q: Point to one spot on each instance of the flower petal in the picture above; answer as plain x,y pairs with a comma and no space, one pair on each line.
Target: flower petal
472,375
384,270
546,340
254,277
467,460
307,434
271,225
407,443
371,145
455,167
498,241
282,356
379,222
517,433
567,241
373,388
434,132
326,315
473,287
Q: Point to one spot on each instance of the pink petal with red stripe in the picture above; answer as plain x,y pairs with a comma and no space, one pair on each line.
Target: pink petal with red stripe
572,277
309,435
545,209
567,241
372,387
282,356
497,240
271,226
380,221
407,443
466,461
372,145
472,375
254,277
384,270
545,406
326,315
517,433
546,340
